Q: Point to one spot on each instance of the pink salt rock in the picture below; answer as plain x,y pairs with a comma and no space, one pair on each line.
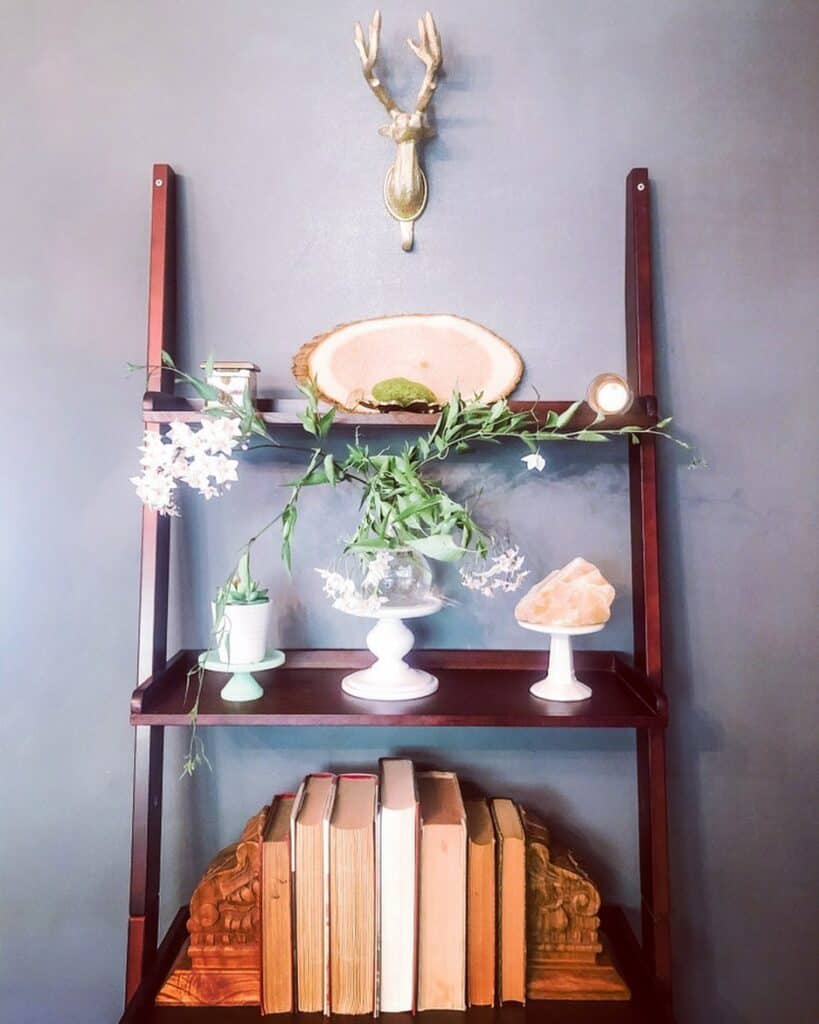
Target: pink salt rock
576,595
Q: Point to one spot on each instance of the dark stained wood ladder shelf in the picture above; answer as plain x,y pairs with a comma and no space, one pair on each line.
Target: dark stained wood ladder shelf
478,688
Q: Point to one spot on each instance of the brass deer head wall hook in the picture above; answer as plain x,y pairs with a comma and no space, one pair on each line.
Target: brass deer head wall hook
405,187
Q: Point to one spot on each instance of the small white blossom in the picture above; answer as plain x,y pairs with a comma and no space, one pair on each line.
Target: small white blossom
504,573
220,435
534,461
156,491
181,436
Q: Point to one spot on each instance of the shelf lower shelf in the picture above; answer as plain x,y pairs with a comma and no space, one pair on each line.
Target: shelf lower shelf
645,1007
477,688
162,408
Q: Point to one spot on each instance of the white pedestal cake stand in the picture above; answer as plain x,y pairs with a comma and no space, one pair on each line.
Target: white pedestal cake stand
390,677
561,683
241,686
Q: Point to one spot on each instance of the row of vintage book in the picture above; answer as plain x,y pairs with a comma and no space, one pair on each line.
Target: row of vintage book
391,893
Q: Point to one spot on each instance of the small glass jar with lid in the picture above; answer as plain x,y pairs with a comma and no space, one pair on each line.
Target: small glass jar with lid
234,378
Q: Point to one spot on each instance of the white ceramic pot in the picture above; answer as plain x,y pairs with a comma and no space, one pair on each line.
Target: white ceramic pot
243,633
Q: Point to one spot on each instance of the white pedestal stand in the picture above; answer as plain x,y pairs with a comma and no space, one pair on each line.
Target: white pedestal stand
561,683
241,686
390,677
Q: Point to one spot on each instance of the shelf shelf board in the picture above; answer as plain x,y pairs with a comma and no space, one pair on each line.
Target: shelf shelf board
643,1008
162,408
477,688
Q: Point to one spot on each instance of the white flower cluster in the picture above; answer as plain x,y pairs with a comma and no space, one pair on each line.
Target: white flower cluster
345,596
198,458
505,573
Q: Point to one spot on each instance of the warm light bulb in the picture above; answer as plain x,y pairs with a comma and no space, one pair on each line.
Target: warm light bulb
609,394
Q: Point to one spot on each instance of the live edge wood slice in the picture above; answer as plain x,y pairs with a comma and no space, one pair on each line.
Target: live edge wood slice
440,351
478,688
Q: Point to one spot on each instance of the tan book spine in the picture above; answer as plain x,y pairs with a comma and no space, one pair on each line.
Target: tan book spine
511,915
277,920
442,901
325,836
480,905
377,903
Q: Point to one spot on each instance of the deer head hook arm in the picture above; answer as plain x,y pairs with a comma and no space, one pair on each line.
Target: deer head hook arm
428,50
405,188
369,55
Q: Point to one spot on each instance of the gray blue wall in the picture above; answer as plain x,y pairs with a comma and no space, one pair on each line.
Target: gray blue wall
261,108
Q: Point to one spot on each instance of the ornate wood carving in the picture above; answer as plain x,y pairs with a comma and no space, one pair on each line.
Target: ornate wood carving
220,964
224,923
565,955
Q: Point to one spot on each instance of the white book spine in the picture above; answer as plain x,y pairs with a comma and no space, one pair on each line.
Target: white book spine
397,910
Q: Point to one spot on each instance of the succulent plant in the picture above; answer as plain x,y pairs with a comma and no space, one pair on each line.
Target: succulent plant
242,588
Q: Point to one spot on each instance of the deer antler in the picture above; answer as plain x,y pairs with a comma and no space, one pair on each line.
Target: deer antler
369,55
428,50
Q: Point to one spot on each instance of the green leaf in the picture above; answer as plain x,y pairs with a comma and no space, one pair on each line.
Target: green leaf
568,415
663,423
330,470
208,369
440,547
551,418
325,422
311,479
635,438
375,544
591,435
167,360
205,391
308,421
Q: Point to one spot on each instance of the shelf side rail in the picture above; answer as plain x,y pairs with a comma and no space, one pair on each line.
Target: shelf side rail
143,913
645,557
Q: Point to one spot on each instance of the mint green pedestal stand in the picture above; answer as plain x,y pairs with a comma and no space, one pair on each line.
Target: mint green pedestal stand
241,686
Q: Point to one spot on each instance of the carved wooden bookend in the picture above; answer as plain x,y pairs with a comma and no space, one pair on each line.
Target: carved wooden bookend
565,956
220,963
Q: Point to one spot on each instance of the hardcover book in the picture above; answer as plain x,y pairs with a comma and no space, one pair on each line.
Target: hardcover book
442,895
352,895
275,869
511,926
480,905
309,823
398,885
